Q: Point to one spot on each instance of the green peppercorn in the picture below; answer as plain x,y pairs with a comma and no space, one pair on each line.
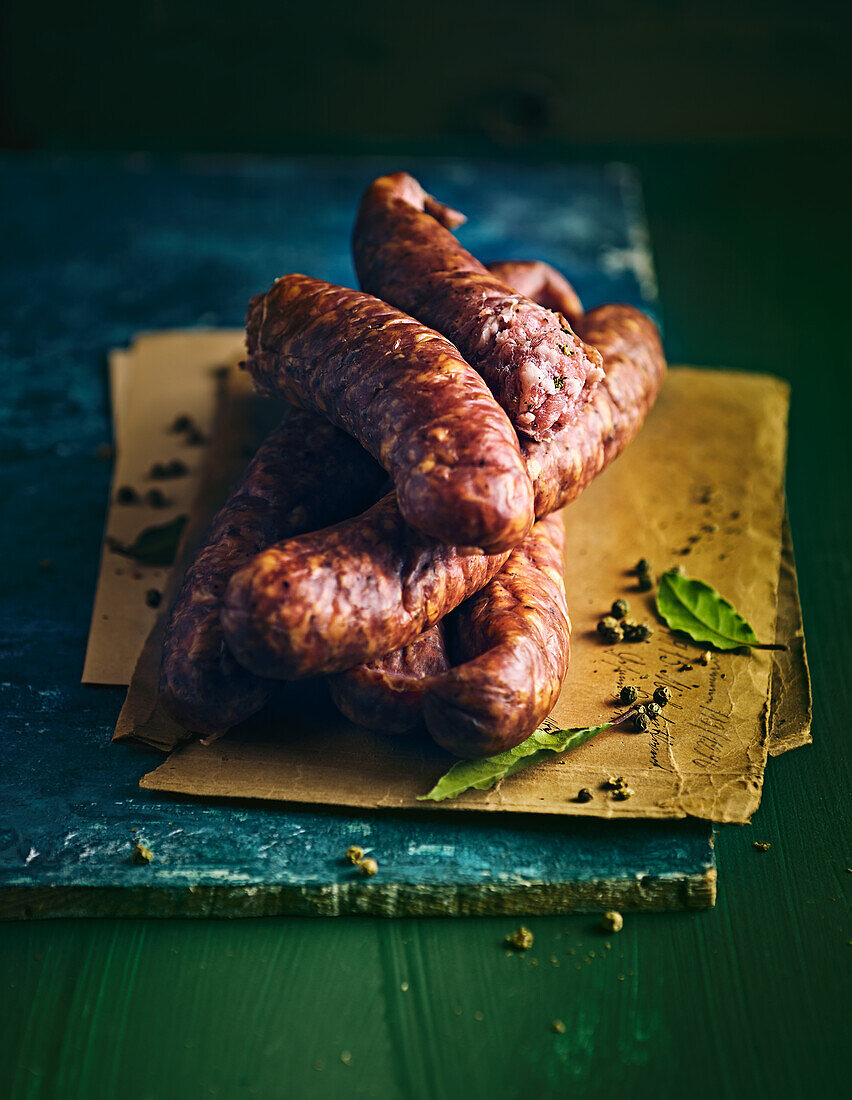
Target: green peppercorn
662,695
653,710
628,694
619,609
613,634
637,632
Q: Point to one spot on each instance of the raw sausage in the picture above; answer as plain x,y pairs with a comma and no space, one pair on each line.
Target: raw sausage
387,694
306,475
407,396
327,601
331,599
513,643
538,369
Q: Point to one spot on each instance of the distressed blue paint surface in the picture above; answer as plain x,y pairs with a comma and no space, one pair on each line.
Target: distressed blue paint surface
97,250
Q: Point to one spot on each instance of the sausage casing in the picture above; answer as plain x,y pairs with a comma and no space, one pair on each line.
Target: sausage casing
326,601
305,475
407,396
539,370
512,641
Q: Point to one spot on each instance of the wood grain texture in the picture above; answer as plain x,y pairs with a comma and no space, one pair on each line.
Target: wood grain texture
747,999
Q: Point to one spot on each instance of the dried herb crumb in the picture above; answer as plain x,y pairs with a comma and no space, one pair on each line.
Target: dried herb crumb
141,854
762,845
521,939
622,794
705,657
346,1057
478,1016
404,986
354,854
558,1026
612,921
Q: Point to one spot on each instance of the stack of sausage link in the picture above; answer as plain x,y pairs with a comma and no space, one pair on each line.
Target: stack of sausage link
443,603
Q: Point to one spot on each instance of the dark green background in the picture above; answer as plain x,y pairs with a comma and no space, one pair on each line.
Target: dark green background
735,114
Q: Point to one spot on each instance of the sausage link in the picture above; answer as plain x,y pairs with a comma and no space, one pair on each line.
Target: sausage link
331,599
542,283
306,475
324,602
407,396
513,641
387,694
539,370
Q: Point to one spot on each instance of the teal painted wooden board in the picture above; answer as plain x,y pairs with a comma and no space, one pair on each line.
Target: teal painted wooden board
117,248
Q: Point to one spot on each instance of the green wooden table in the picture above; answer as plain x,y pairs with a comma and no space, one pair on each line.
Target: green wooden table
746,999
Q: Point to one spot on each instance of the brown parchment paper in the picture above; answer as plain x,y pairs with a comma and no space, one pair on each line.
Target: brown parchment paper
702,486
159,377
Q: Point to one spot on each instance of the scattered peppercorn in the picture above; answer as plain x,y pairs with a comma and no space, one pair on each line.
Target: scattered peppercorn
176,468
194,437
662,695
182,423
612,921
653,710
636,632
641,722
521,938
619,609
558,1026
156,498
354,854
127,495
642,566
153,597
368,867
158,470
685,668
628,694
610,629
645,582
141,854
583,795
762,845
705,657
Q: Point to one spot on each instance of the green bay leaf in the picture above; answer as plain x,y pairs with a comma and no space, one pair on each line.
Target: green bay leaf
697,609
482,775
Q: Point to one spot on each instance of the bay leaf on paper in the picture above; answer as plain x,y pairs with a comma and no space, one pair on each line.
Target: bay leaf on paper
698,610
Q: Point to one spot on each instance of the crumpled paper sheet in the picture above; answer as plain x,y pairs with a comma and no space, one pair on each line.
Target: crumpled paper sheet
702,486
